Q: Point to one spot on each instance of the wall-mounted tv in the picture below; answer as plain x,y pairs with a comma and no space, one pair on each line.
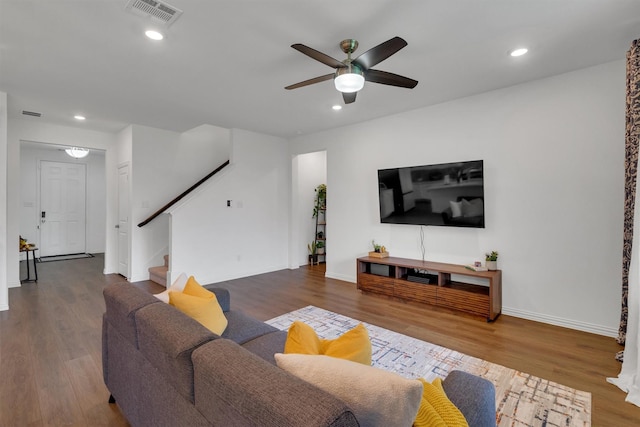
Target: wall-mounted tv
448,194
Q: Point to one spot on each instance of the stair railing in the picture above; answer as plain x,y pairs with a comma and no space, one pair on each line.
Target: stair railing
182,195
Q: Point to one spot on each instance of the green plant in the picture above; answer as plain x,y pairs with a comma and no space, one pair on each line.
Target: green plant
491,256
312,248
376,247
319,245
321,199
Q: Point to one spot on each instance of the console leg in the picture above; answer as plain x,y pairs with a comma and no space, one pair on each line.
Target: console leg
111,399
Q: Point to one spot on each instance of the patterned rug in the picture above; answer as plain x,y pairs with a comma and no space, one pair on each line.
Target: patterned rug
521,399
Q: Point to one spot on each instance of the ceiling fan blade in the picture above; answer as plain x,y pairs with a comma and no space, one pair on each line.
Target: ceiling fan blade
379,53
318,56
310,81
349,97
385,78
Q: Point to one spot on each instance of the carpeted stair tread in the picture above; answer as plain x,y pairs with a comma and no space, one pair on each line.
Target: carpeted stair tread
158,274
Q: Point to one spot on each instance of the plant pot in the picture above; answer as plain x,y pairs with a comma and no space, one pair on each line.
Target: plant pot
492,265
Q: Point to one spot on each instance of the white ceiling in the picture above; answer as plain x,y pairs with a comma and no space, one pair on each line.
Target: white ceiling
226,62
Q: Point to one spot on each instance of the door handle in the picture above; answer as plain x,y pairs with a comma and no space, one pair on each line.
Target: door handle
117,226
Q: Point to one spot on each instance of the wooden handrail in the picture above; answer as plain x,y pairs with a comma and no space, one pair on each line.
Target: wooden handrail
181,196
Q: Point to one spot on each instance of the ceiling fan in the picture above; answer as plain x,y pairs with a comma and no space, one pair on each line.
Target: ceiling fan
351,74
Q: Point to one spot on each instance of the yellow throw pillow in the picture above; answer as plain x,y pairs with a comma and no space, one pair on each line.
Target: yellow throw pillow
204,308
195,289
353,345
436,410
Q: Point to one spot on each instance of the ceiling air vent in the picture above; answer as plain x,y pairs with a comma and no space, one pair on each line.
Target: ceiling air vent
31,113
162,11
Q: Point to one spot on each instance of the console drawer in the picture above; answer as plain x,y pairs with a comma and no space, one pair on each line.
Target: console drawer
374,283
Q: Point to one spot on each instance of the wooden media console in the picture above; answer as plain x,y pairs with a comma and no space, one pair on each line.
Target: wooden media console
431,283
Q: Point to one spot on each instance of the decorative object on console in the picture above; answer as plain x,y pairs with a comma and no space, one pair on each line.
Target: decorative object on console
379,251
492,260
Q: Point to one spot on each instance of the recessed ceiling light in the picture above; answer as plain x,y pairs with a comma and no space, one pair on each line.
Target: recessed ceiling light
519,52
154,35
79,117
337,107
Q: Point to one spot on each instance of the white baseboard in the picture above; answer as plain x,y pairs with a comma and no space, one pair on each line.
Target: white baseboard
559,321
14,284
523,314
343,277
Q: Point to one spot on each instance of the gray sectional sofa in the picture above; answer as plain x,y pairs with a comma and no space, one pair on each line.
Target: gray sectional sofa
163,368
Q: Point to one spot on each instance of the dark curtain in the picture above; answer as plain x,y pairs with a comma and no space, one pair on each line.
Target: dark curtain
632,134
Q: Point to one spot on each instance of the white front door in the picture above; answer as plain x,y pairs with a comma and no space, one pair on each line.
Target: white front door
123,220
62,208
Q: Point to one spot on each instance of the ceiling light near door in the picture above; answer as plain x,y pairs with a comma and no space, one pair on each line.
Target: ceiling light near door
77,152
79,117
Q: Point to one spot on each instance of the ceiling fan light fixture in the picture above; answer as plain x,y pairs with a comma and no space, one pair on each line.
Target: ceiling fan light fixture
349,81
77,152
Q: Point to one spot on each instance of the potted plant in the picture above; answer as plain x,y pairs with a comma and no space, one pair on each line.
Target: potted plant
379,251
313,257
491,259
320,247
321,199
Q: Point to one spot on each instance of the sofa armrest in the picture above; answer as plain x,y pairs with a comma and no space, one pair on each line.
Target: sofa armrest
475,397
222,295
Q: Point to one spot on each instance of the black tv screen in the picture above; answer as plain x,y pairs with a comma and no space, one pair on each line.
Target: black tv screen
448,194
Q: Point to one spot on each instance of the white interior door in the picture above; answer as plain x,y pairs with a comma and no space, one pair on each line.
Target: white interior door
62,208
123,220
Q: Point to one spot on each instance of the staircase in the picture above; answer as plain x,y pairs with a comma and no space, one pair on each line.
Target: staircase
159,274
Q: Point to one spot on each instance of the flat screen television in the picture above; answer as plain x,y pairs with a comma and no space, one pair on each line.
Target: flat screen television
447,194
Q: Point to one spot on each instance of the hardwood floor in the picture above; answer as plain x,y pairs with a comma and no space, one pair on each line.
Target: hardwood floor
50,341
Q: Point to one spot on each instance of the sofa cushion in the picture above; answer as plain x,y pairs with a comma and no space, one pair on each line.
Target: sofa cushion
377,397
353,345
122,301
167,338
243,328
222,295
479,406
267,345
234,387
436,410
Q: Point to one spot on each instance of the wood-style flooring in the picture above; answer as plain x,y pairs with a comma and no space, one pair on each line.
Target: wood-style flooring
50,341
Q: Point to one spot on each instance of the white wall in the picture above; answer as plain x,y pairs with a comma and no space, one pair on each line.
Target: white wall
164,164
36,131
4,274
312,171
30,157
214,242
553,154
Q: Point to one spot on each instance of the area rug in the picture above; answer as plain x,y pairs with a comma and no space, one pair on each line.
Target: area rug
521,399
64,257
